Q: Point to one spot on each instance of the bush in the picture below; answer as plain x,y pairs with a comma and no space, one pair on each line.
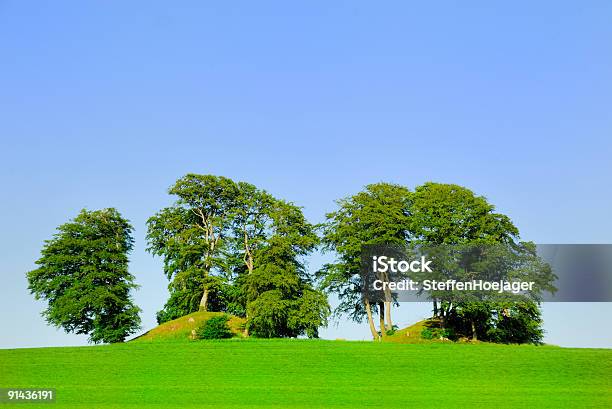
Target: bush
214,328
426,333
392,331
435,333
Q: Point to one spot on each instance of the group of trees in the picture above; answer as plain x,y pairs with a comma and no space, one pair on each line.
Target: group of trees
433,214
226,246
232,247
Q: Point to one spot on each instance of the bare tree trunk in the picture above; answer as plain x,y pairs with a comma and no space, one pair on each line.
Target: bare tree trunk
474,336
435,307
388,315
204,301
381,317
368,309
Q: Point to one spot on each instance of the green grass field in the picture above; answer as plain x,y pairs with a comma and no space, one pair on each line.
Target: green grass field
311,374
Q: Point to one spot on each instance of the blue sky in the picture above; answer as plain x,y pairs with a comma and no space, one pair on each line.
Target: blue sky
107,103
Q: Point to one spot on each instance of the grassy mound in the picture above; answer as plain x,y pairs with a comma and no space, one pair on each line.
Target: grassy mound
181,329
412,334
255,373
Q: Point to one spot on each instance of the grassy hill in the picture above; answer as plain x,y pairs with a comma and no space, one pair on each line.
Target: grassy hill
249,373
181,329
411,335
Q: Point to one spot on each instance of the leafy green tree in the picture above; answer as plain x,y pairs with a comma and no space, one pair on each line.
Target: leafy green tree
251,222
451,214
190,235
377,215
83,275
281,299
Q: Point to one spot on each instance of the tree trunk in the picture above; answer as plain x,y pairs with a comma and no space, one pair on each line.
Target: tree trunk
368,309
474,336
248,261
388,315
435,307
381,317
204,301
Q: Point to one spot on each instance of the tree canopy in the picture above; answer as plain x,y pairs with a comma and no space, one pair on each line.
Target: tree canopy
434,214
240,250
377,215
452,214
233,247
83,275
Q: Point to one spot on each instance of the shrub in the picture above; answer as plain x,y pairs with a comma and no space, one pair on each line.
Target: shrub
436,333
426,333
392,331
215,328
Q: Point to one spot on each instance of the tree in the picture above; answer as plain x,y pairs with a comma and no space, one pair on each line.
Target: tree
452,214
83,275
447,214
251,222
281,299
190,234
377,215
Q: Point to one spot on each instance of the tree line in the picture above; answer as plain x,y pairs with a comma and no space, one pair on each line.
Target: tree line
233,247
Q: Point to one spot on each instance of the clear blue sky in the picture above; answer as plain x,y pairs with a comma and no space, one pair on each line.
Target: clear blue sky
106,103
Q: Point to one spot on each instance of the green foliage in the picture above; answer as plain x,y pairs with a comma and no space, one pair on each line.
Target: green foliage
282,303
451,214
516,323
392,331
223,296
274,315
228,244
83,275
427,333
501,322
215,328
434,214
436,333
378,215
190,235
180,303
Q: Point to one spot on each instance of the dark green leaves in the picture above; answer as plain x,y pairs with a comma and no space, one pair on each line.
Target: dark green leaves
238,248
83,275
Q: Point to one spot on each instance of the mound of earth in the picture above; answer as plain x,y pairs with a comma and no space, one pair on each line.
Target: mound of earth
182,329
